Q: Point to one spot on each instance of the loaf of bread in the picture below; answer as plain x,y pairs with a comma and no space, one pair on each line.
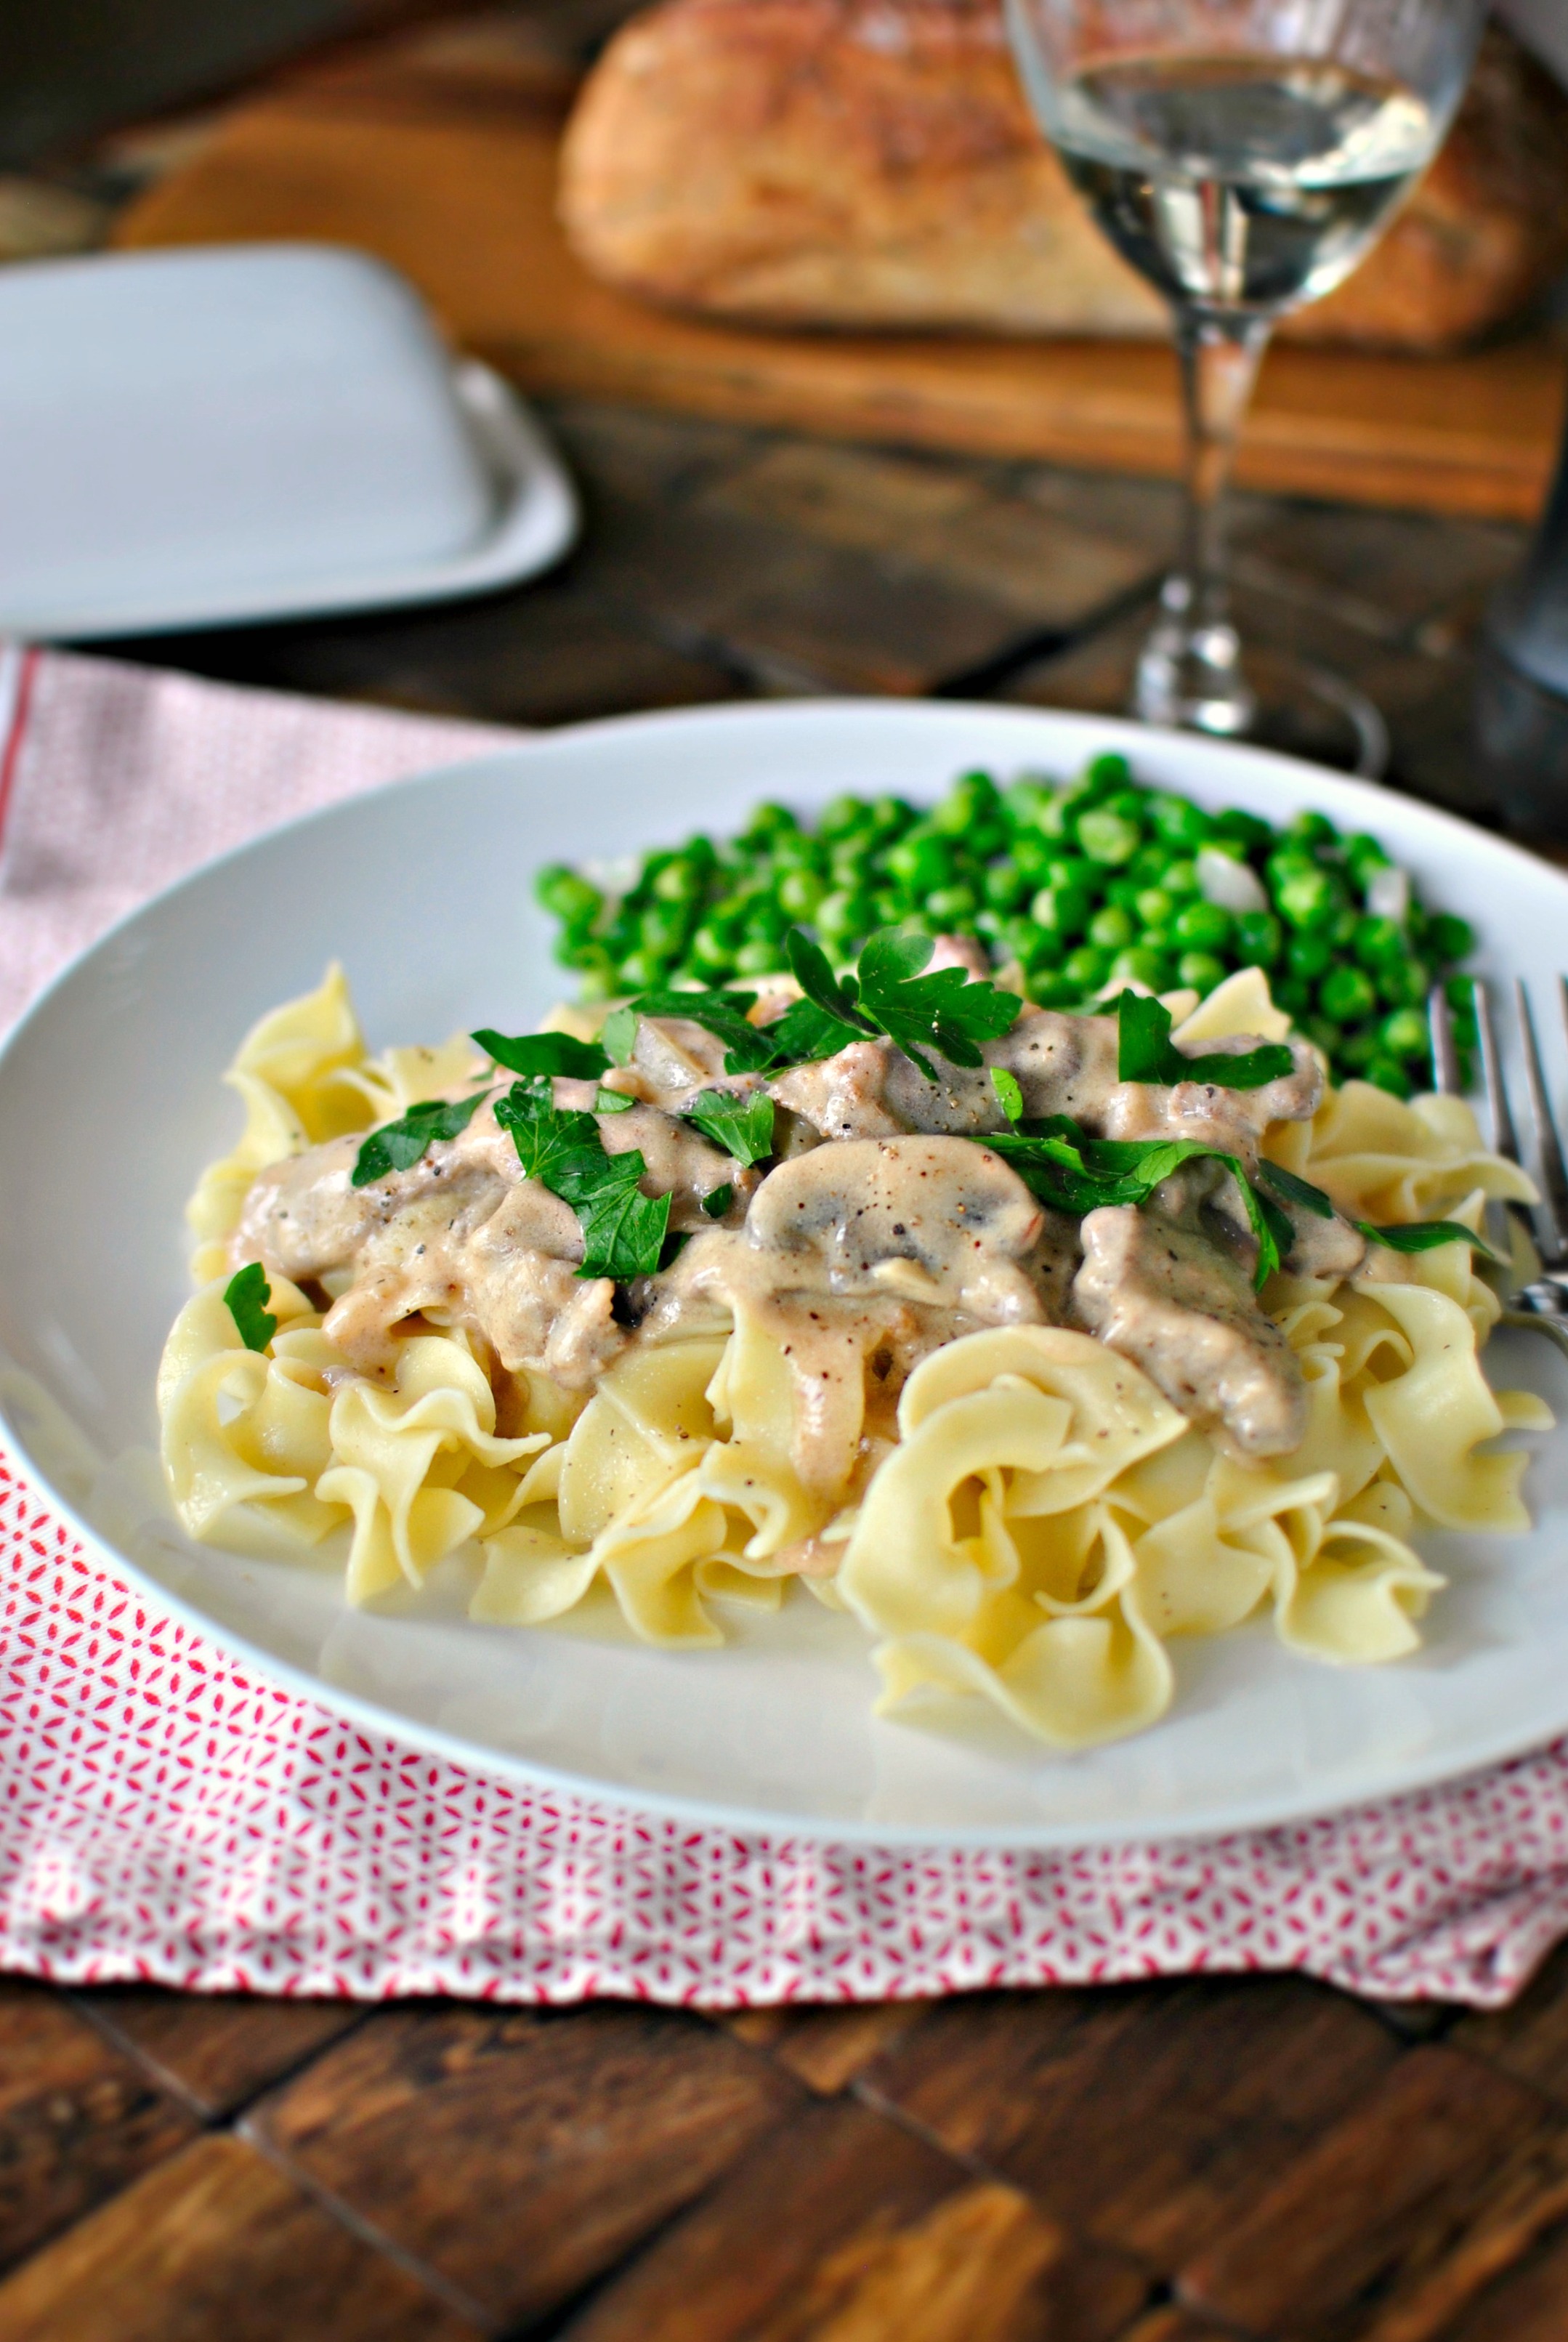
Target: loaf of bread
872,163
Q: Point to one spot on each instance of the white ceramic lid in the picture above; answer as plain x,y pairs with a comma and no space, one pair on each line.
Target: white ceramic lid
232,431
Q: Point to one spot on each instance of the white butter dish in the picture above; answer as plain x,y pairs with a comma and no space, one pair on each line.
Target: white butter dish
219,434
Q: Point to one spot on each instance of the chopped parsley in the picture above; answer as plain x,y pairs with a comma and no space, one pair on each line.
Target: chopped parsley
624,1230
949,1011
398,1145
747,1047
1009,1096
744,1125
1147,1053
247,1294
1073,1172
717,1200
1290,1189
1425,1236
612,1101
535,1054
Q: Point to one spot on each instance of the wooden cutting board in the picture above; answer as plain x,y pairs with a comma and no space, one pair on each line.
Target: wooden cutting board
442,160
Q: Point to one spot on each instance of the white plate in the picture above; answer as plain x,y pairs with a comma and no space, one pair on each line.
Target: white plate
193,439
109,1103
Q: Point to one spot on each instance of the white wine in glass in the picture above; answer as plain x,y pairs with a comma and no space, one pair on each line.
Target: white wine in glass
1243,156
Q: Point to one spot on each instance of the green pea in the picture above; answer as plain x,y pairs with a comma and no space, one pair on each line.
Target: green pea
1259,939
1086,968
709,953
1154,907
1247,829
1389,1074
1053,988
921,863
1123,891
1404,983
1312,830
842,817
1346,994
1160,939
1378,941
1308,956
1149,864
1060,910
847,869
950,906
1362,855
1139,965
662,928
1450,938
1107,837
1058,816
1204,926
1322,1030
1004,886
1293,995
1179,877
891,817
1342,928
1202,970
1308,899
800,893
887,909
758,957
768,824
1111,928
1358,1049
1404,1034
638,970
1033,856
678,882
1110,770
568,895
1179,822
1075,870
1023,803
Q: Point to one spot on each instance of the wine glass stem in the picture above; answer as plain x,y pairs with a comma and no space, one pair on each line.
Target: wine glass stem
1189,671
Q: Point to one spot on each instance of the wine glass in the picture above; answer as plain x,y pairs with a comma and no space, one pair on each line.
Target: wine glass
1243,154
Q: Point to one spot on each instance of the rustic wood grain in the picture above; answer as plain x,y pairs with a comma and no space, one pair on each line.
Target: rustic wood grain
450,175
842,2227
521,2156
218,2052
77,2119
215,2243
1149,2117
1409,2164
828,2047
1531,2038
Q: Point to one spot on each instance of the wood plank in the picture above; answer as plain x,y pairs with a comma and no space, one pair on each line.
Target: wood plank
216,2053
451,177
1150,2118
1406,2179
78,2121
520,2156
1530,2039
828,2048
216,2242
842,2227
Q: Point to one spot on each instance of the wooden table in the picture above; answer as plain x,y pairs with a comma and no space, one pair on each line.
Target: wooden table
1169,2163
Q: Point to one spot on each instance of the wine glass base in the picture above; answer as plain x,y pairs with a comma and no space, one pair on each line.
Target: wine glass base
1283,703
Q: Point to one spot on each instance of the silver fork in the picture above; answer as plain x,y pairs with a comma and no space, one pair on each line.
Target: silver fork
1542,1305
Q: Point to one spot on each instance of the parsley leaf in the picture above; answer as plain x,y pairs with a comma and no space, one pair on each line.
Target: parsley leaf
624,1230
1009,1096
1075,1174
533,1054
717,1200
1292,1190
948,1012
247,1294
612,1101
723,1014
398,1145
618,1032
1425,1236
742,1124
1147,1053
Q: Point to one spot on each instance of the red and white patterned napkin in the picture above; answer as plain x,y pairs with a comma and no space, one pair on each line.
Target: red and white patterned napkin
168,1816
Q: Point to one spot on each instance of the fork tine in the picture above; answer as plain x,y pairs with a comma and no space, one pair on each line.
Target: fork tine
1553,1174
1445,1056
1504,1137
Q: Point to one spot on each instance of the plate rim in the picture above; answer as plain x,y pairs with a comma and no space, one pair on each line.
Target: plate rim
1238,1816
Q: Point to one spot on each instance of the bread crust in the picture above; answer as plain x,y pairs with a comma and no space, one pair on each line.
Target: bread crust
872,163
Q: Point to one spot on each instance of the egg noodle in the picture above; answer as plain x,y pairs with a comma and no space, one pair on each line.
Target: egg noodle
1035,1521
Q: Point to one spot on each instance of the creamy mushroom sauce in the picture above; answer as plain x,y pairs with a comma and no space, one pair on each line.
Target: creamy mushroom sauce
883,1231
